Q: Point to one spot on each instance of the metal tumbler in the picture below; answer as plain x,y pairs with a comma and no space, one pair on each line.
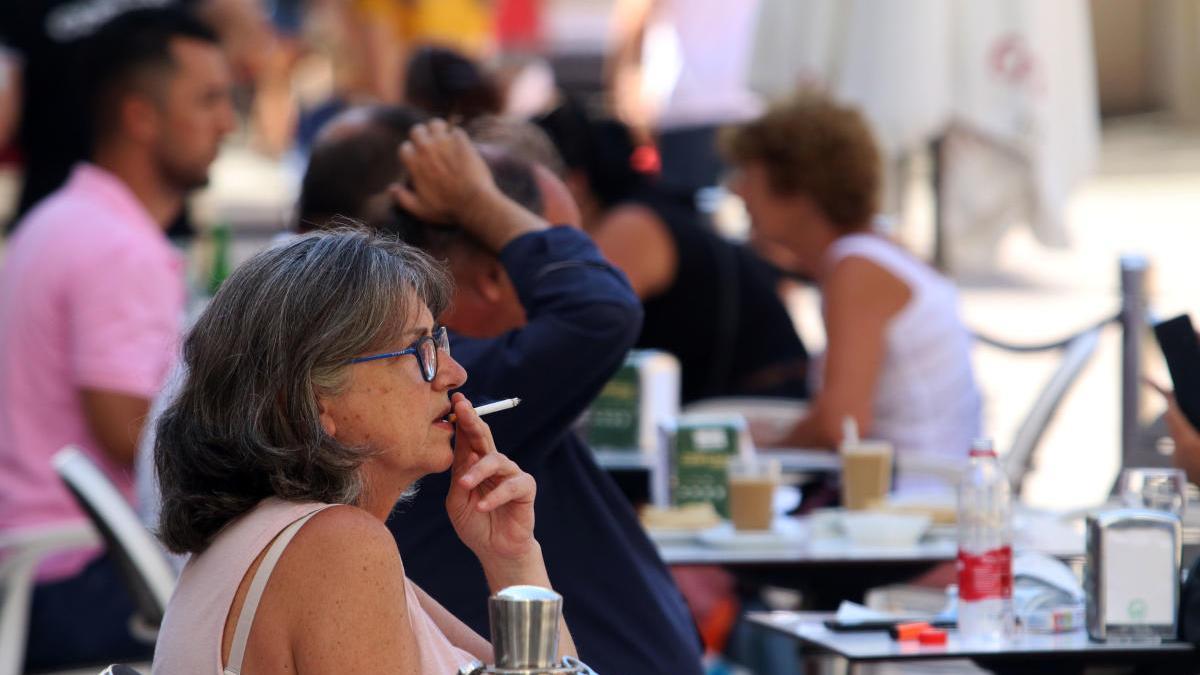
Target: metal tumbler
525,627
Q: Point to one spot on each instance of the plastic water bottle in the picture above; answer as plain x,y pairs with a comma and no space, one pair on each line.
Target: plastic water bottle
985,579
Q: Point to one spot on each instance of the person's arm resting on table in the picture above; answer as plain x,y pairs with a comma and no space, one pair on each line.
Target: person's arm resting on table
860,299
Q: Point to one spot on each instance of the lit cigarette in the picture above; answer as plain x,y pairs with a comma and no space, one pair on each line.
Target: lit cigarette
490,408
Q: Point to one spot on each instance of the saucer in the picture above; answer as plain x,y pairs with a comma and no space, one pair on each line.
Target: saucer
784,533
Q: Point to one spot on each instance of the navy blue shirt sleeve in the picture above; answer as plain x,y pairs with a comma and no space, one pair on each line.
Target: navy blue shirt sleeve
583,317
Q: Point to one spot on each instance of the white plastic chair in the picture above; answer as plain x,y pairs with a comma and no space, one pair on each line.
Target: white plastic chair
139,558
20,553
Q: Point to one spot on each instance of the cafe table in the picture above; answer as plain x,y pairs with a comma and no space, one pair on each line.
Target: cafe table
1024,653
797,547
829,569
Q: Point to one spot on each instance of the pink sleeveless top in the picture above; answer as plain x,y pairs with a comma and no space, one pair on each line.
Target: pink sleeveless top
190,638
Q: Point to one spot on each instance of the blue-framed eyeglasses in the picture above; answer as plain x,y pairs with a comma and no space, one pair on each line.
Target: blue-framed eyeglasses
425,349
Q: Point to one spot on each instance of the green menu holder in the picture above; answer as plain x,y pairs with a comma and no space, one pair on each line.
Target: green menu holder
700,454
613,420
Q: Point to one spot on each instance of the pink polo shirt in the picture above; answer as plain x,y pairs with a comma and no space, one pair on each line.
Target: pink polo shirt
91,297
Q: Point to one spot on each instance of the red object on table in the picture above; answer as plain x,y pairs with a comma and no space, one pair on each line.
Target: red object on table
909,631
932,636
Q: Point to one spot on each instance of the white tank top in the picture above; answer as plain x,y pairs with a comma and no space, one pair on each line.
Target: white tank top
926,401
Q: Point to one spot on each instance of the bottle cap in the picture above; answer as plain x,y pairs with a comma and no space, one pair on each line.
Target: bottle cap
933,636
982,447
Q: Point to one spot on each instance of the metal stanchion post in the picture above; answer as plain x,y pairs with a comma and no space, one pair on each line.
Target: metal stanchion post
1133,328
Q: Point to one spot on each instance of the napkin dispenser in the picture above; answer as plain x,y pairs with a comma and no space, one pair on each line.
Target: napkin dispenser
524,622
1132,575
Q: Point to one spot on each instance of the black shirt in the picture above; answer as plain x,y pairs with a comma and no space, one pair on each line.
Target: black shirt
721,317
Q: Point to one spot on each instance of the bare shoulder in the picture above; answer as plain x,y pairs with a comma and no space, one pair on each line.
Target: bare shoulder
344,598
635,239
865,284
336,596
345,537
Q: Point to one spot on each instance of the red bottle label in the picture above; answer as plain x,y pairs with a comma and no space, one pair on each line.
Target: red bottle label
985,576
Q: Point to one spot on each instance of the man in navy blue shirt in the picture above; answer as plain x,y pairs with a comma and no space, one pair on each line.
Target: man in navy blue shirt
538,314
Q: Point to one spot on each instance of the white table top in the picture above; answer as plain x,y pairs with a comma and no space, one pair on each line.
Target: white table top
809,628
791,460
1038,532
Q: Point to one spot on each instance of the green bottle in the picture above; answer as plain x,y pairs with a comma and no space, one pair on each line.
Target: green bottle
220,258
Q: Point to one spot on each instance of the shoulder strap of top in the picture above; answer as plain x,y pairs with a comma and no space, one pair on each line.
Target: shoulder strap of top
245,620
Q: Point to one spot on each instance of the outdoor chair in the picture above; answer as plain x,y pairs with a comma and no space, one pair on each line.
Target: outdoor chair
140,560
20,553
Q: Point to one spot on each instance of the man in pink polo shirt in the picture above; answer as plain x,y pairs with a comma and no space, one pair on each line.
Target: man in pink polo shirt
91,302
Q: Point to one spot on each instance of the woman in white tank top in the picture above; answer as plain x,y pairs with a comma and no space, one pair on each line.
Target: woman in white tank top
898,356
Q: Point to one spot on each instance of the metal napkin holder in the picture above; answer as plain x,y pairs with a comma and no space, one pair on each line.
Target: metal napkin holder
569,666
525,622
1119,537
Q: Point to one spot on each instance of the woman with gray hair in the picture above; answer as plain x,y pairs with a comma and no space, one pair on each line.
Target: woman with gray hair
317,394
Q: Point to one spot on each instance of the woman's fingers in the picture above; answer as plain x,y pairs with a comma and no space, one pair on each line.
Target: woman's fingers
492,465
471,428
518,488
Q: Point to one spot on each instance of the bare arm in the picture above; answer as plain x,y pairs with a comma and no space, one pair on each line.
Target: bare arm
490,504
115,421
10,96
860,299
336,603
636,240
622,67
1187,439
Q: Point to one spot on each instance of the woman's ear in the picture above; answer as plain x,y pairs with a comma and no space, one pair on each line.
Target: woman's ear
326,417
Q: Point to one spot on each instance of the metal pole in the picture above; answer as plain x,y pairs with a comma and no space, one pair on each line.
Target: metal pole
1133,328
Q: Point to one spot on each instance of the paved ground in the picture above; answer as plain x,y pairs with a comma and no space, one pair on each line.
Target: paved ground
1144,198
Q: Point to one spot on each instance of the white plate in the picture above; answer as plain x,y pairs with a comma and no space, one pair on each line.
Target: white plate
784,533
674,535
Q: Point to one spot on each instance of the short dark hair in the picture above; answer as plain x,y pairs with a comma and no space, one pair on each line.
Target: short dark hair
126,52
601,149
348,176
447,84
245,424
814,146
514,177
345,172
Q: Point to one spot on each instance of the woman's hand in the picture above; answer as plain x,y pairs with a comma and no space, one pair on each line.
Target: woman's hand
490,502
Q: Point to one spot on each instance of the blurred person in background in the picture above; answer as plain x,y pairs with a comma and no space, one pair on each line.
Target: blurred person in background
298,428
446,84
50,37
898,355
710,302
389,31
91,301
677,70
537,314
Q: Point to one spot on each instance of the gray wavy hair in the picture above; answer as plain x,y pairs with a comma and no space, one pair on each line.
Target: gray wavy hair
246,422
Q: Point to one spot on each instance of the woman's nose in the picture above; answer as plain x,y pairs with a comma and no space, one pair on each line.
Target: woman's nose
451,374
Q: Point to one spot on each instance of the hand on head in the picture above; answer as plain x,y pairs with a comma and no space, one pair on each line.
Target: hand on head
490,502
448,178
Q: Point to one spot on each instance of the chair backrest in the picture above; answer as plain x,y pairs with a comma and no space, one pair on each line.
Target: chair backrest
143,567
20,553
1076,353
